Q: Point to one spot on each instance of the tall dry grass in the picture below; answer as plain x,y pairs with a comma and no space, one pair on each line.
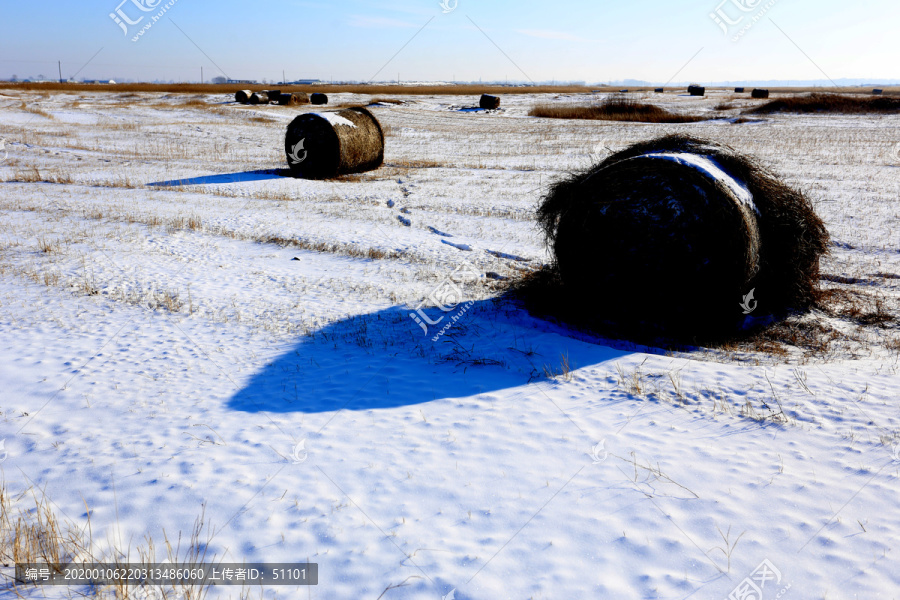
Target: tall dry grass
830,103
613,108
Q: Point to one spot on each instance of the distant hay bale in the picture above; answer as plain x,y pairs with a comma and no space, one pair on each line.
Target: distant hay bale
293,99
738,90
318,98
489,102
259,98
667,237
696,90
659,90
328,144
243,96
877,92
759,93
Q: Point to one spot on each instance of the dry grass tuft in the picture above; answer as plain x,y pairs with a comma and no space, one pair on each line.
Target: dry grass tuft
614,108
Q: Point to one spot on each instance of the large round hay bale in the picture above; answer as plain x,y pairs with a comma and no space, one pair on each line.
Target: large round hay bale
293,99
759,93
318,98
259,98
660,90
243,96
327,144
668,237
696,90
877,92
738,90
489,102
273,95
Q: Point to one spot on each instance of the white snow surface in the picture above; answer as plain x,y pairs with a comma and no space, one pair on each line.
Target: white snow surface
262,346
336,119
709,167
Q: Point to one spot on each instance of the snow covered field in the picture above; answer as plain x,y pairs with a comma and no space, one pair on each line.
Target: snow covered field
185,327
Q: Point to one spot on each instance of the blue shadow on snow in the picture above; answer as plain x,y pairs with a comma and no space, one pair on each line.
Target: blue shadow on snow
385,360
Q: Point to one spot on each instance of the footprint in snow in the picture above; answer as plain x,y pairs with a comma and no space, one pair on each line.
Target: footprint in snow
390,204
465,247
405,211
438,232
403,220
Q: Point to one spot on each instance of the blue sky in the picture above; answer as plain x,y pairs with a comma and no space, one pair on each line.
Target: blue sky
591,41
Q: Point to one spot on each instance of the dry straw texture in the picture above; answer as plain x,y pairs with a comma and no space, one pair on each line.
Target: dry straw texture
646,247
329,150
259,98
293,99
243,96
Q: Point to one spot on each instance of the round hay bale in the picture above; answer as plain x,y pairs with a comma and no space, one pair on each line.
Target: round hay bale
328,144
293,99
259,98
738,90
668,236
318,98
696,90
877,92
243,96
659,90
489,102
759,93
273,95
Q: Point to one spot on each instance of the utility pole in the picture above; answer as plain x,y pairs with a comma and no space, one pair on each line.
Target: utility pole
59,64
201,75
283,78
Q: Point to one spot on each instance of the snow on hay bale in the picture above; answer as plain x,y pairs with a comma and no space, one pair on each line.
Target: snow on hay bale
318,98
293,99
327,144
696,90
759,93
259,98
489,102
667,237
243,96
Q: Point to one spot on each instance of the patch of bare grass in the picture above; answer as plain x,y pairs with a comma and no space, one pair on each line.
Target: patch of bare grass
830,103
614,108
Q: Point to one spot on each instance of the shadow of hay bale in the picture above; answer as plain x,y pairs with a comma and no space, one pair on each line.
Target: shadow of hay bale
668,237
328,144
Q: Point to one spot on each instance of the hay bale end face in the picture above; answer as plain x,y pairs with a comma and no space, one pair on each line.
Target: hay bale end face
328,144
738,90
696,90
668,236
293,99
759,93
318,98
243,96
259,98
488,102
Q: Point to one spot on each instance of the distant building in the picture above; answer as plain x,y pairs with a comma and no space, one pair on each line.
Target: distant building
251,81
